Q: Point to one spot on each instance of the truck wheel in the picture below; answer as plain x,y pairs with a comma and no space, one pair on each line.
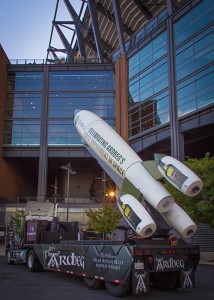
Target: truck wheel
93,284
33,262
166,280
8,257
118,290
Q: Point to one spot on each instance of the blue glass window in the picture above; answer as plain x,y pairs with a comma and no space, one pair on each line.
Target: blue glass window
63,105
197,92
23,108
195,54
154,79
148,55
85,80
194,21
63,132
25,81
148,77
150,113
69,91
22,132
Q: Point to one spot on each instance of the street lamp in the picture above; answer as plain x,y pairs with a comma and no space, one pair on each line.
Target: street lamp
69,171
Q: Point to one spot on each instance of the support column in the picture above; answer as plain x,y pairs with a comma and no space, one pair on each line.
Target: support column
177,140
43,155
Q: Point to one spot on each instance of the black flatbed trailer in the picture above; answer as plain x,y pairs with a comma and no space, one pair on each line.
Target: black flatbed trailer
44,243
120,266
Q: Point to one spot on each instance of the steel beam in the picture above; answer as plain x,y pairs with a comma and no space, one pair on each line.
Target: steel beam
111,17
143,9
77,27
169,7
96,31
119,26
65,42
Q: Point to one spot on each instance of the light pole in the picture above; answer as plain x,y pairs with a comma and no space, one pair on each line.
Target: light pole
69,171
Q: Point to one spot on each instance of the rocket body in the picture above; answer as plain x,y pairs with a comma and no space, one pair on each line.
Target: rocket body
121,158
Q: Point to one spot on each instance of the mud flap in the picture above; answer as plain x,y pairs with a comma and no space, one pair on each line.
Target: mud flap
140,279
187,278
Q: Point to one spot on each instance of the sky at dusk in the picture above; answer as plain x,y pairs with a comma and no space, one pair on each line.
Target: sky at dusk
25,26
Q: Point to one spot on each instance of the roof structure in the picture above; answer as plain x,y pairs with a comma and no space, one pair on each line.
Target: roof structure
101,27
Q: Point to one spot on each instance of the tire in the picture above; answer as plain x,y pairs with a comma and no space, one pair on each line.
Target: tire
118,290
33,262
166,280
8,257
93,284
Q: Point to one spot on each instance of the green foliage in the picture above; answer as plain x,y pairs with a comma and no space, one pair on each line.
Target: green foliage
104,220
201,207
18,220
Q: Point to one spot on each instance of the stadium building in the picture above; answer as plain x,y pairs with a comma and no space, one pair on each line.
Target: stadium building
146,67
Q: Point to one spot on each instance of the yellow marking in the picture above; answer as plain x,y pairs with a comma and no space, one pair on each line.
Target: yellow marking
127,211
170,171
165,167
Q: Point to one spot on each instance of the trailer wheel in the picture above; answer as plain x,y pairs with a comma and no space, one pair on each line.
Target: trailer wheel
8,257
93,284
118,290
166,280
33,262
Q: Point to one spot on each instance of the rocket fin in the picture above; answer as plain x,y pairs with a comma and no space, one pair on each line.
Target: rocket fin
152,167
117,179
129,188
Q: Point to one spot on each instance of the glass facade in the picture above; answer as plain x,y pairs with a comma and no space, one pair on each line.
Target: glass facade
23,108
194,59
148,84
148,71
69,91
139,36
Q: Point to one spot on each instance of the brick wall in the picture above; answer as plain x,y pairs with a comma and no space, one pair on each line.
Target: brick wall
7,174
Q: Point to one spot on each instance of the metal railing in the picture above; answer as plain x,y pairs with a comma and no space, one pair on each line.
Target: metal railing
61,200
60,61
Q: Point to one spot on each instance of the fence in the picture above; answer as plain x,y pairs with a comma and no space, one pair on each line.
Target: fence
204,237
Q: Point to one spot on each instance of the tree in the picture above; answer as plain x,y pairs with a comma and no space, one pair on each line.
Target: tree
104,220
18,220
201,207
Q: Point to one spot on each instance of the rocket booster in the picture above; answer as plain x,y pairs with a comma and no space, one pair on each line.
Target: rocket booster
136,215
179,219
121,158
179,175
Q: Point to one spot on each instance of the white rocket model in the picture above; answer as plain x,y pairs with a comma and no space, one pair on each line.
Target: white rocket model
126,168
